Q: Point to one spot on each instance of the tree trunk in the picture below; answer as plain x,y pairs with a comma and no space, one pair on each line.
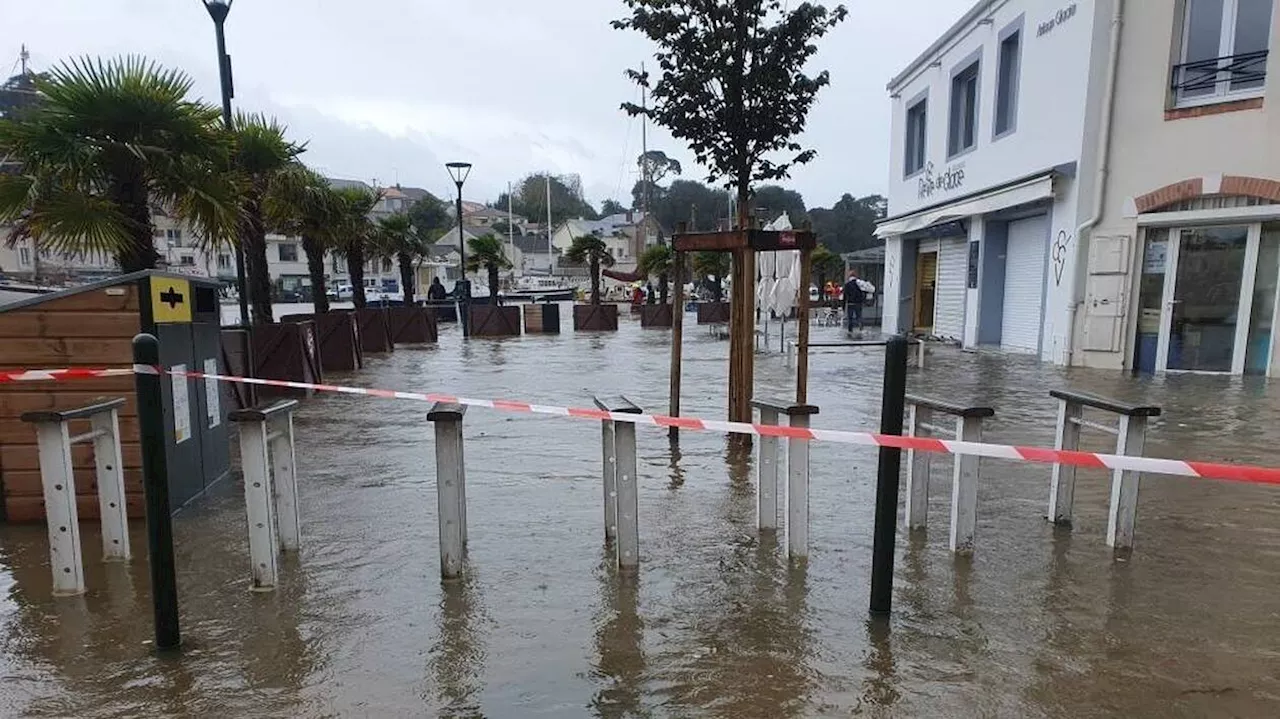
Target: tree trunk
664,288
595,278
254,238
717,288
493,283
406,277
130,195
315,268
355,271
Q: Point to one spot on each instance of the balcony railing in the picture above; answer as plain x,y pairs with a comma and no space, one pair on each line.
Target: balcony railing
1207,79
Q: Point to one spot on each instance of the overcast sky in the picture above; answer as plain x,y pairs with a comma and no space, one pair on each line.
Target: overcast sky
388,91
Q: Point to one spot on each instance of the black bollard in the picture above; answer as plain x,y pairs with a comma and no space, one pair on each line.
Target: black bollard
892,406
155,484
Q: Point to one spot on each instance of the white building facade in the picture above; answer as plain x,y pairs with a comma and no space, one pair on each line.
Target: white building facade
991,155
1182,264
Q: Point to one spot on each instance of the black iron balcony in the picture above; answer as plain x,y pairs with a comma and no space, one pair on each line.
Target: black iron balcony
1220,75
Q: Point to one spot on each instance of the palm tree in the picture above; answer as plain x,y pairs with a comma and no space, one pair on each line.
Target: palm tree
591,250
262,159
354,231
487,251
399,239
658,260
304,205
110,138
716,265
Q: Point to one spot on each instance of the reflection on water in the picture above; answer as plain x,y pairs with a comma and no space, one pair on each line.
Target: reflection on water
1040,621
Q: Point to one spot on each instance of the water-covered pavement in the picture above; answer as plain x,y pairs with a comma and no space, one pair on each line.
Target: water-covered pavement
1040,622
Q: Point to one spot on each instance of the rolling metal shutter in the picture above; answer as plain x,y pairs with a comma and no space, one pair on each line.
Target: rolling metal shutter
953,267
1024,285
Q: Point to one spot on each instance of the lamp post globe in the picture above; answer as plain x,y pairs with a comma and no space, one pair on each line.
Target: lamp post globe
459,172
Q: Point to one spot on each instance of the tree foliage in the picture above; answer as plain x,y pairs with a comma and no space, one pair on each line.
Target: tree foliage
487,252
733,83
109,138
658,261
772,201
592,251
430,215
529,199
850,224
355,233
399,240
304,205
611,207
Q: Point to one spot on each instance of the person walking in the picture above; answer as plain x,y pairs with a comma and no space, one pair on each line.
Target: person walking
854,298
436,292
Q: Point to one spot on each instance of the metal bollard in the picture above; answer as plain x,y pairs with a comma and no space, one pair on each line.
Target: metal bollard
1062,488
621,493
155,482
767,475
893,404
964,487
917,509
267,461
450,486
1123,513
798,487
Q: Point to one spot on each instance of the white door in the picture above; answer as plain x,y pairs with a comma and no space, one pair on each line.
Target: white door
1024,285
953,268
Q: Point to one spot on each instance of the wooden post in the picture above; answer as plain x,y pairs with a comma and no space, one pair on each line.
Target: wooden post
767,475
58,482
677,337
1124,484
259,506
610,464
448,430
802,332
628,498
917,509
1063,485
964,487
284,472
110,474
798,492
742,338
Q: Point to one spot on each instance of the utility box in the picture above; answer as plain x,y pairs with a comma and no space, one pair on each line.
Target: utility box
92,326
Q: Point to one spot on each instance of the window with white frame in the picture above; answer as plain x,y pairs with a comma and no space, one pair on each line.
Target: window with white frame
962,131
1223,53
174,237
224,262
917,128
187,260
24,256
1009,69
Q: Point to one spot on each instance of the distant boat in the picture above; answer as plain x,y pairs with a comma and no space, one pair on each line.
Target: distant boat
539,289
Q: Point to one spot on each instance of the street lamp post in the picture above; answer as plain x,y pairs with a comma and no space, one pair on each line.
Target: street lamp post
459,171
218,10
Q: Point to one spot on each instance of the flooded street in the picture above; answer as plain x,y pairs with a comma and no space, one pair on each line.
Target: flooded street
1040,622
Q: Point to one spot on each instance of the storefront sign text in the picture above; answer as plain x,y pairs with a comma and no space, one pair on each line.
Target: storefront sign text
952,179
1062,16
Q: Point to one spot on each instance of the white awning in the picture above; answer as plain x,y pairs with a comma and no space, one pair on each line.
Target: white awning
1022,193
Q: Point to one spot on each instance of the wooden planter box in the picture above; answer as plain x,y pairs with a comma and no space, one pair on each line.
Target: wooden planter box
542,318
237,361
656,316
445,311
595,318
339,338
412,325
491,321
375,330
287,351
713,313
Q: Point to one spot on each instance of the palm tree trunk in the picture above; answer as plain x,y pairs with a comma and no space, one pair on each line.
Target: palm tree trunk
355,271
493,283
595,279
717,288
406,276
315,268
254,237
131,197
664,288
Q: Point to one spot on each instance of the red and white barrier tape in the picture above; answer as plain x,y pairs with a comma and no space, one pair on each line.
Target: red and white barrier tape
1238,473
45,375
1042,455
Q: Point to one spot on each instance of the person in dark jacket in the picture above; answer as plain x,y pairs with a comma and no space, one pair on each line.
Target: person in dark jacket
436,291
854,298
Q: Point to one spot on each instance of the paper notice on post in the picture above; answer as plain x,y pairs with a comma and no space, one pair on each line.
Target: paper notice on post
181,405
213,408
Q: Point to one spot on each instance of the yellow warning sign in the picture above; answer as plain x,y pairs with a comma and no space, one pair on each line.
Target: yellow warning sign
170,300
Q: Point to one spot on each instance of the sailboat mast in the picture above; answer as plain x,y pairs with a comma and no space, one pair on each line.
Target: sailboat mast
550,263
511,231
646,196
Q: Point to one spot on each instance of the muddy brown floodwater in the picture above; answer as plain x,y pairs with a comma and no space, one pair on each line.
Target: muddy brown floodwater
1039,622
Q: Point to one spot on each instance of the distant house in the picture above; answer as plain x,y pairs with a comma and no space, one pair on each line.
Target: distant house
626,234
